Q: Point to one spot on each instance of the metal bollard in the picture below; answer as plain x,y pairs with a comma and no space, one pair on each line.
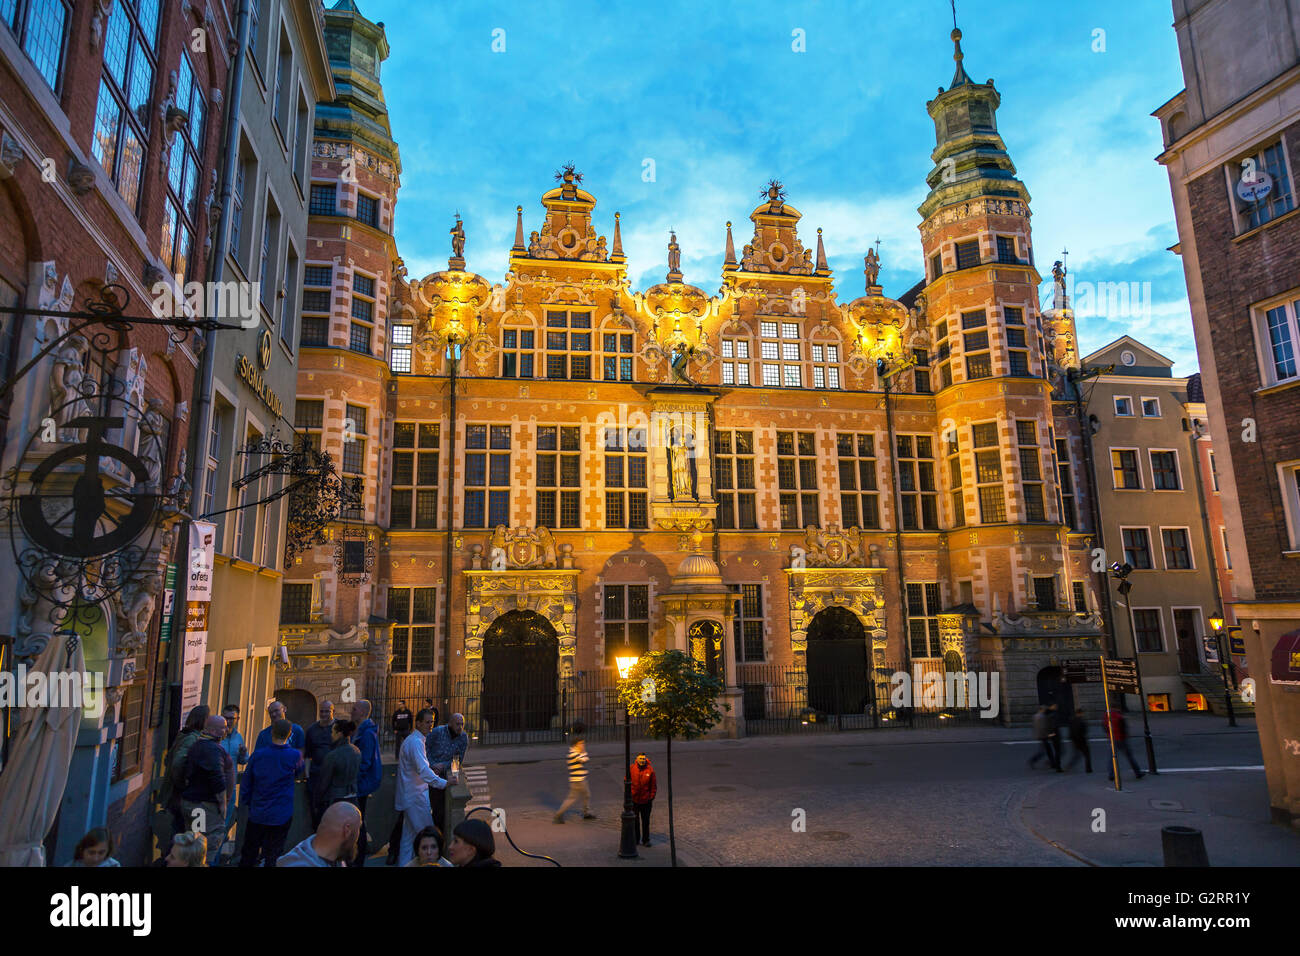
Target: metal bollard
1183,846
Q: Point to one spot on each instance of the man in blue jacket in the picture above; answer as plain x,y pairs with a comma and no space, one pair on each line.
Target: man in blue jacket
366,739
268,791
276,711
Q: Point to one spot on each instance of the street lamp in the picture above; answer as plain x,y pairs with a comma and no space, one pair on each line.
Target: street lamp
1121,573
627,840
1216,623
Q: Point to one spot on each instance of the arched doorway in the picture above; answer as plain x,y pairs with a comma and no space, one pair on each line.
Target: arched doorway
299,706
838,677
521,654
1053,689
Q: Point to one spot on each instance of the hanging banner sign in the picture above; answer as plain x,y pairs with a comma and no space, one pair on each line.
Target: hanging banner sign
203,549
196,648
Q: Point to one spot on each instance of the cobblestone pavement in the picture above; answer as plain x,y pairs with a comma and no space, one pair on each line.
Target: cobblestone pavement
899,798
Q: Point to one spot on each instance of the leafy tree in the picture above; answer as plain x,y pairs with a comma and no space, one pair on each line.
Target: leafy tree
676,697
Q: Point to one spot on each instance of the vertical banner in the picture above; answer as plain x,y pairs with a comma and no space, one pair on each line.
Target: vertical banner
198,595
196,648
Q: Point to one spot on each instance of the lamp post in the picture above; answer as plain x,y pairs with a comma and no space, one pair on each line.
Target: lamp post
627,838
1216,622
1121,573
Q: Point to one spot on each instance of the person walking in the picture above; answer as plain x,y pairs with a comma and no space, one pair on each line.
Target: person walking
578,789
1079,741
233,744
644,788
1055,737
414,778
319,741
402,723
1119,733
268,790
208,783
1043,734
337,779
335,841
369,770
447,746
169,792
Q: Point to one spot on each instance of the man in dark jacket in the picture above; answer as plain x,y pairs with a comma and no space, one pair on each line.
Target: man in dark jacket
403,721
370,769
337,779
276,711
268,791
319,740
644,788
208,781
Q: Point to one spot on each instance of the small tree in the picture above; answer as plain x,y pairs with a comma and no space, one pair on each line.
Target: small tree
677,697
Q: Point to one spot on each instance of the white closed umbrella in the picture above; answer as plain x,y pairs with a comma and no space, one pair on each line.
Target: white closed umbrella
40,753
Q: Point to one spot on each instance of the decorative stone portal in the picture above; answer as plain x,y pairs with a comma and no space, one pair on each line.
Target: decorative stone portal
826,573
699,610
324,663
549,593
1027,644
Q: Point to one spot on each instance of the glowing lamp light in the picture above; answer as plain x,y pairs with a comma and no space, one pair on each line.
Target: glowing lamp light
625,665
1216,622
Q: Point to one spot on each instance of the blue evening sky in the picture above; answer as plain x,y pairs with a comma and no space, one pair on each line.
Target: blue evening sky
714,94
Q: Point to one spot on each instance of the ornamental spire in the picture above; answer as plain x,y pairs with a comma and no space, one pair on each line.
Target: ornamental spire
519,230
821,253
618,239
730,261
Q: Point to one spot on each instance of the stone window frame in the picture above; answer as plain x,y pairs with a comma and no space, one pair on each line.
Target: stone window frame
799,492
832,369
1125,549
930,617
623,449
1137,467
1265,350
857,492
624,354
1114,404
1133,629
488,489
569,353
918,493
625,620
1178,468
735,363
1288,474
784,365
410,624
520,325
739,620
993,487
1142,405
733,457
565,503
415,487
315,315
1232,172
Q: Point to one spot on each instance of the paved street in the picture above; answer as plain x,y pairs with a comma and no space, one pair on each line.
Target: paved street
894,798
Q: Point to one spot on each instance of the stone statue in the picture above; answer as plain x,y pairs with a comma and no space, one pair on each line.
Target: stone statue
674,254
872,267
681,468
458,239
68,384
137,601
150,448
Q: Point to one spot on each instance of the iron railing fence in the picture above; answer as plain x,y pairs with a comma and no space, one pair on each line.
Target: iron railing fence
774,699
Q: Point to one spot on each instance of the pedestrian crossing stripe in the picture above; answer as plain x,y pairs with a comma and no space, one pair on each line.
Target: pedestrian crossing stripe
477,779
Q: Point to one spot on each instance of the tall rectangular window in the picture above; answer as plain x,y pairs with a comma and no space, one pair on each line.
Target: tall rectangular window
184,175
295,604
747,622
413,612
1007,250
918,493
568,344
1031,474
796,467
1164,471
1260,187
1280,333
968,254
1178,549
1146,630
921,371
735,361
1045,593
1137,548
559,475
122,113
625,478
952,450
781,350
309,420
317,282
399,352
617,356
923,606
1124,468
1065,484
734,453
859,496
368,210
362,328
41,25
826,366
414,500
1080,597
627,621
487,476
988,474
517,353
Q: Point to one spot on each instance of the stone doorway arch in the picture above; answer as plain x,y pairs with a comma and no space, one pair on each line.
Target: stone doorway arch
299,705
839,677
521,653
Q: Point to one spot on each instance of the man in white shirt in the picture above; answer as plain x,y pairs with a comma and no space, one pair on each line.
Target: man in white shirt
414,778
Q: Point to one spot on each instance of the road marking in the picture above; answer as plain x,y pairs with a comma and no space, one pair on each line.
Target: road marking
1205,769
1038,743
480,792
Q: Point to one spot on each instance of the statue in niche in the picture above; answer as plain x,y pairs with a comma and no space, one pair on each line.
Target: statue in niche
680,459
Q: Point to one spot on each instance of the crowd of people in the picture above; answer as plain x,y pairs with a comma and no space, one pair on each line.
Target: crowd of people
209,772
1051,727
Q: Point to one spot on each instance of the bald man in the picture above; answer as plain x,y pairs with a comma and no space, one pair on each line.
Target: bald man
208,782
333,844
